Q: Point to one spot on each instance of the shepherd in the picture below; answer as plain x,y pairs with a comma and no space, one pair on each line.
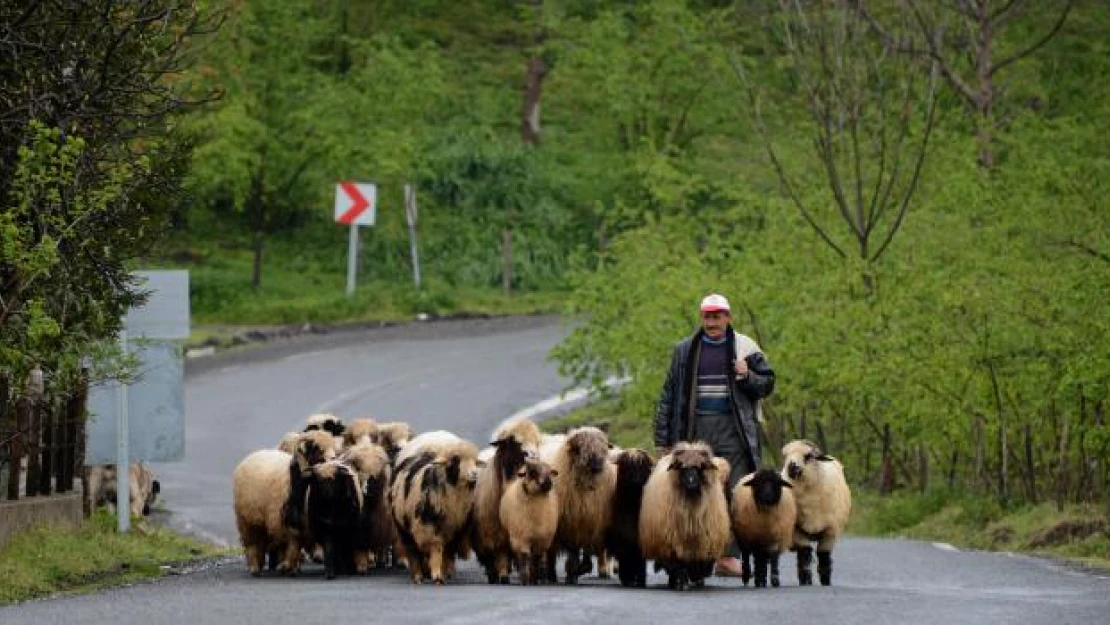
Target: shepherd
714,390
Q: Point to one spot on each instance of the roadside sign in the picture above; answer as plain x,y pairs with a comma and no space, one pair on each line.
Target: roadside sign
355,203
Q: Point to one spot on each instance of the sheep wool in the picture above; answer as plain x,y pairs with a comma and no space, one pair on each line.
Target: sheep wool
529,512
763,516
513,440
585,493
684,520
824,503
261,489
359,431
432,497
375,532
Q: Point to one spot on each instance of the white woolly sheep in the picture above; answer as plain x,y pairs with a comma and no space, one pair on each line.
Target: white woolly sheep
375,529
824,503
763,516
513,440
360,430
623,538
529,512
262,490
432,496
585,492
143,489
550,444
684,522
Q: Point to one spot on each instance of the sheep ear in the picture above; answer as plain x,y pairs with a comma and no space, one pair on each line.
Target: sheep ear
747,480
785,483
824,457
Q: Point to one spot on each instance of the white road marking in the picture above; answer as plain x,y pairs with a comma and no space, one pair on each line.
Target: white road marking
945,547
304,355
557,401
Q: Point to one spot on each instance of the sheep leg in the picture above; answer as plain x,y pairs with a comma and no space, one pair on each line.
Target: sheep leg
364,561
760,569
745,566
272,559
292,561
824,567
774,560
805,558
254,559
435,564
550,574
603,570
501,568
329,558
571,567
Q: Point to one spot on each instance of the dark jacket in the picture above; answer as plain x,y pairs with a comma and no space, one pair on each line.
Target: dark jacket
674,416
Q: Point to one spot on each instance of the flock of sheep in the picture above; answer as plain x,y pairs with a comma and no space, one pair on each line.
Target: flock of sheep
364,494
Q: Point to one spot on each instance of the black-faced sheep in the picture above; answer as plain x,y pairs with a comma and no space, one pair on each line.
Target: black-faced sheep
585,492
623,538
333,507
375,528
684,521
513,441
432,497
359,431
312,448
262,493
763,516
824,503
529,512
143,489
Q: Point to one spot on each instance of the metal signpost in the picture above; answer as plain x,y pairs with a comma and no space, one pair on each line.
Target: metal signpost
156,397
355,205
410,218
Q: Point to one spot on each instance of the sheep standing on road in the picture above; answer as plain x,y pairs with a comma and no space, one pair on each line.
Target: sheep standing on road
375,526
824,503
262,489
763,516
513,441
585,492
432,496
684,521
623,538
333,506
529,512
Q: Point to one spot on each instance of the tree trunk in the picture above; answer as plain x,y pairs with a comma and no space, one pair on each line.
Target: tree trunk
256,272
533,84
507,272
1030,467
886,475
984,67
922,468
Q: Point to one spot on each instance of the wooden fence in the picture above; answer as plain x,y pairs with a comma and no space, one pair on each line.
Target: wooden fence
42,441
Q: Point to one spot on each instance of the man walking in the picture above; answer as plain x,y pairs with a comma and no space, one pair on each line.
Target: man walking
713,393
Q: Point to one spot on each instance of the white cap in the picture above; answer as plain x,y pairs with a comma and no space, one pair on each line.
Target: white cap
714,302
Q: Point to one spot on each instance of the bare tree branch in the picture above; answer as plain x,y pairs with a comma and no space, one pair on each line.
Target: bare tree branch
1038,44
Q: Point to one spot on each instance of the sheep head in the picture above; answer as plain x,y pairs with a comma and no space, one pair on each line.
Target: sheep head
538,476
766,485
393,436
314,447
695,467
799,454
589,450
459,466
634,467
334,491
326,422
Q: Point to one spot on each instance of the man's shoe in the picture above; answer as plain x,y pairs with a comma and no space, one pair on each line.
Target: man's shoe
728,567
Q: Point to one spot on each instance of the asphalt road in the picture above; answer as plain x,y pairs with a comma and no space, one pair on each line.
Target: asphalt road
466,377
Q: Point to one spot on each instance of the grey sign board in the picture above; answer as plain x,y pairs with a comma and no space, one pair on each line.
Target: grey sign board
156,410
166,312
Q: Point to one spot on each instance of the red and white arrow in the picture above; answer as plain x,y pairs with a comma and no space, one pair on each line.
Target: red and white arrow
354,203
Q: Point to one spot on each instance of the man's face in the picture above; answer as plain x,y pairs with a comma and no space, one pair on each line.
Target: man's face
714,323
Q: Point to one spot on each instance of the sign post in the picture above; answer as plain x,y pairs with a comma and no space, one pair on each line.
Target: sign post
410,217
164,316
355,205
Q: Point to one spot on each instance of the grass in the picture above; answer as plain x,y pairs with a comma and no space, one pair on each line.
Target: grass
301,286
47,560
1080,533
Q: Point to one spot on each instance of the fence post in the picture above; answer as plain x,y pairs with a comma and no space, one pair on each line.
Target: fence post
6,443
22,416
46,428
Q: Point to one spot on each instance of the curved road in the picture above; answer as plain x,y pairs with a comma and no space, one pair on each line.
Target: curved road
466,377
